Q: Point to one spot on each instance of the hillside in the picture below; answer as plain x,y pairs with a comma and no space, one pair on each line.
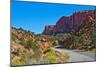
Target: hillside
76,32
29,48
67,24
84,38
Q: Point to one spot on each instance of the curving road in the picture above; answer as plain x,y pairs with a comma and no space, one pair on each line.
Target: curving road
78,56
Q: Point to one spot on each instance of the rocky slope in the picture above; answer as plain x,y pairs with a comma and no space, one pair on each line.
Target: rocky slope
84,38
29,48
69,23
77,31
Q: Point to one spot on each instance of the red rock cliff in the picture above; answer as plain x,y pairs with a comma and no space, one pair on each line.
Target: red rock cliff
69,23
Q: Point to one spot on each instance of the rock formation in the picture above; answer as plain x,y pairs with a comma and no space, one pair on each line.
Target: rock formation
69,23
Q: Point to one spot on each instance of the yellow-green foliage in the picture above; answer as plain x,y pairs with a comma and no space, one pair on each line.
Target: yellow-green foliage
55,57
29,50
50,57
20,61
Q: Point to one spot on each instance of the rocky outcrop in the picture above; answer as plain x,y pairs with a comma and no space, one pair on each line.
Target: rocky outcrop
49,30
69,23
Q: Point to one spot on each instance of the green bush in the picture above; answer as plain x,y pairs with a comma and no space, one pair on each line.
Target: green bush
50,57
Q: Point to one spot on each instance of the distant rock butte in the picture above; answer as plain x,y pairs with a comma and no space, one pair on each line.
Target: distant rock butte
68,23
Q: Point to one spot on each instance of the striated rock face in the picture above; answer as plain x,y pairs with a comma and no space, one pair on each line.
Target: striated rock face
69,23
49,30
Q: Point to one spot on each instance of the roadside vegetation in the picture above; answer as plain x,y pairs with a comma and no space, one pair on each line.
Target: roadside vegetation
28,48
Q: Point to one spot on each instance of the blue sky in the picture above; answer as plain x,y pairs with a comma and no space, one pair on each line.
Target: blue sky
34,16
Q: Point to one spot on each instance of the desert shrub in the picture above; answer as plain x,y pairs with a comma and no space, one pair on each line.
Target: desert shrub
55,43
63,36
13,37
36,48
51,38
27,44
50,57
19,59
23,42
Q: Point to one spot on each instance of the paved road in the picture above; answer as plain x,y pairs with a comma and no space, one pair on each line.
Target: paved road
78,56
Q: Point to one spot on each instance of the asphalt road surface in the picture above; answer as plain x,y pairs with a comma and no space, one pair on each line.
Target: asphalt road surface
78,56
